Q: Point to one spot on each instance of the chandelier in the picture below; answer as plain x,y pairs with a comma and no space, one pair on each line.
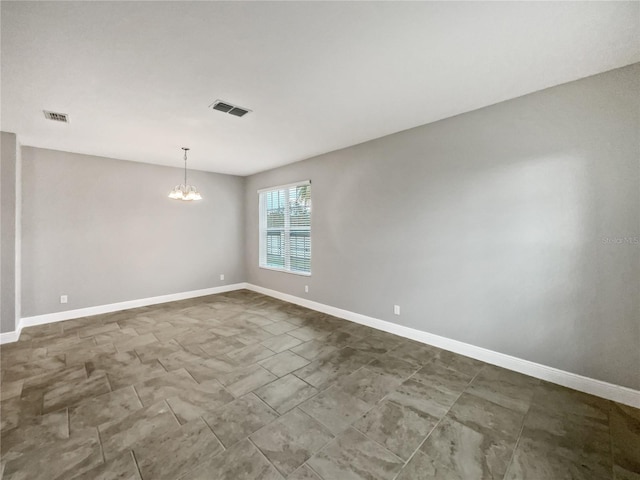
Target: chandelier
184,191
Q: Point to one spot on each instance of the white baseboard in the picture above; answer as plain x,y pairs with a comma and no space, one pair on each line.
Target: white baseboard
9,337
592,386
112,307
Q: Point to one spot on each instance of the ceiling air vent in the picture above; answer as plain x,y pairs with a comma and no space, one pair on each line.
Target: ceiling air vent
226,107
223,107
238,112
58,117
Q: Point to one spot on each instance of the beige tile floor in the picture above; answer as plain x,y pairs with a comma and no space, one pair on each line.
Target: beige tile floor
242,386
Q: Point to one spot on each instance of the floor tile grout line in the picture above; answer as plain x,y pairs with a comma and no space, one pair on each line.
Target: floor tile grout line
224,448
248,437
468,392
224,388
436,425
333,437
313,469
137,396
375,441
613,460
135,462
190,375
386,396
104,458
135,352
108,381
172,412
302,379
415,452
265,403
319,391
515,446
69,425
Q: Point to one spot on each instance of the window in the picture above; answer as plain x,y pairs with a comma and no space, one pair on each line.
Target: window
285,228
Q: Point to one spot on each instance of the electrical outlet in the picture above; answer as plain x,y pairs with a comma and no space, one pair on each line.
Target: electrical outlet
396,309
306,289
222,276
63,299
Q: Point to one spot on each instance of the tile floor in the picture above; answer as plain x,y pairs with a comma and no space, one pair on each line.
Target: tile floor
242,386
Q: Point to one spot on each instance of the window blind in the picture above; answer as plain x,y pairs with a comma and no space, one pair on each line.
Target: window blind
285,228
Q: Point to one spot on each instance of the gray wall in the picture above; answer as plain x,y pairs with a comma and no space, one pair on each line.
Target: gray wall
9,231
102,231
502,227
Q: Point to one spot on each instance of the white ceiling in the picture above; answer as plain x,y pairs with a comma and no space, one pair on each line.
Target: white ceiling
136,78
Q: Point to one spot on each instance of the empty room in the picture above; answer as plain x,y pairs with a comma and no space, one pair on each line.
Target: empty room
320,240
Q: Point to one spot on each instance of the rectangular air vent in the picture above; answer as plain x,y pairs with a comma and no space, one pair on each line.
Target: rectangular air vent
223,107
238,112
226,107
58,117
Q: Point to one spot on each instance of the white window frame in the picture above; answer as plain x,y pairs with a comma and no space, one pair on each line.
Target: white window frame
262,243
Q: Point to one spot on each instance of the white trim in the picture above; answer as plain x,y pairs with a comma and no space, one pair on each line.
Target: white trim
288,185
263,230
18,237
114,307
276,269
9,337
617,393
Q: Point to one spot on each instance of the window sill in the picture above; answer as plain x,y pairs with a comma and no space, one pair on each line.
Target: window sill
275,269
